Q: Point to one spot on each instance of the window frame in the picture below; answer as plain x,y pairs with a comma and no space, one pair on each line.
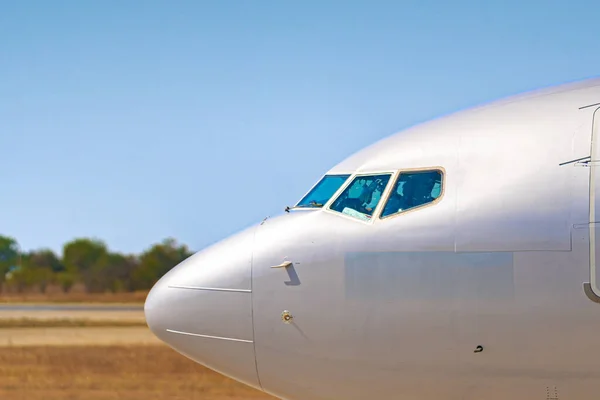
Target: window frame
377,211
441,169
298,208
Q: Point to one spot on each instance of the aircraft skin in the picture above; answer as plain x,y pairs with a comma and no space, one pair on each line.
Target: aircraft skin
396,307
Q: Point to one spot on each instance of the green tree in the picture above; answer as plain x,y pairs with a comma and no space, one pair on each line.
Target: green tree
119,271
66,280
9,257
85,259
90,262
157,261
42,265
23,277
112,272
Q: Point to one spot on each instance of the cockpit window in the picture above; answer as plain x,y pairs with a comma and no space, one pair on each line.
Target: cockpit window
361,197
412,190
322,191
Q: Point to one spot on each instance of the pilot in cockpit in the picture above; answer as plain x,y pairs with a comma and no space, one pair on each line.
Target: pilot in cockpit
367,199
372,194
411,190
400,197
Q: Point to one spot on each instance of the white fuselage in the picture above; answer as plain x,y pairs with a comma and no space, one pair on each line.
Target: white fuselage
476,295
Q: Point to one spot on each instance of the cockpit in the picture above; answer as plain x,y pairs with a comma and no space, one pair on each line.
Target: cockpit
361,197
322,191
368,195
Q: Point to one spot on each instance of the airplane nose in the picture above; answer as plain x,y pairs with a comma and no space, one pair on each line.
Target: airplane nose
202,308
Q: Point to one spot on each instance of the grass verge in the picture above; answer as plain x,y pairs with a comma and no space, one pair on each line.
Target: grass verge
66,323
74,297
112,372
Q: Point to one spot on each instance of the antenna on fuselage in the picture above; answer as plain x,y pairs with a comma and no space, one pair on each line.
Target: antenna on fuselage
586,158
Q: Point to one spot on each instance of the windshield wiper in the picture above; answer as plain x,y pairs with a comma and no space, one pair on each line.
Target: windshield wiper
309,205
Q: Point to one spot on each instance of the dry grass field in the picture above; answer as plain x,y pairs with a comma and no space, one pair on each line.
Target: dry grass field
136,372
72,354
76,336
61,318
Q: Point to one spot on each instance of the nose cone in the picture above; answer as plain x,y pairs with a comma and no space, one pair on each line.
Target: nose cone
202,308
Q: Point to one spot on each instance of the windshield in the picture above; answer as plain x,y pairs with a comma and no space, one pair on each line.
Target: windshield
412,190
362,196
322,192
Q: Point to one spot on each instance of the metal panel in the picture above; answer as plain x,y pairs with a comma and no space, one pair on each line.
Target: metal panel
592,289
505,208
428,276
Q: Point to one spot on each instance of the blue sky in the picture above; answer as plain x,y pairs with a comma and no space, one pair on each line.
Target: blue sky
133,121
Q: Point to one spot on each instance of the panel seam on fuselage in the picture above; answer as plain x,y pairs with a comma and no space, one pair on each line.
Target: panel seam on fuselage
210,289
252,306
210,337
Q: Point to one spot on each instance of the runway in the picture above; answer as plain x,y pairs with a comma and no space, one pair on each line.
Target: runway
108,314
78,336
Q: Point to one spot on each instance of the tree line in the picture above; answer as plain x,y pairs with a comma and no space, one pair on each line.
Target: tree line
88,262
